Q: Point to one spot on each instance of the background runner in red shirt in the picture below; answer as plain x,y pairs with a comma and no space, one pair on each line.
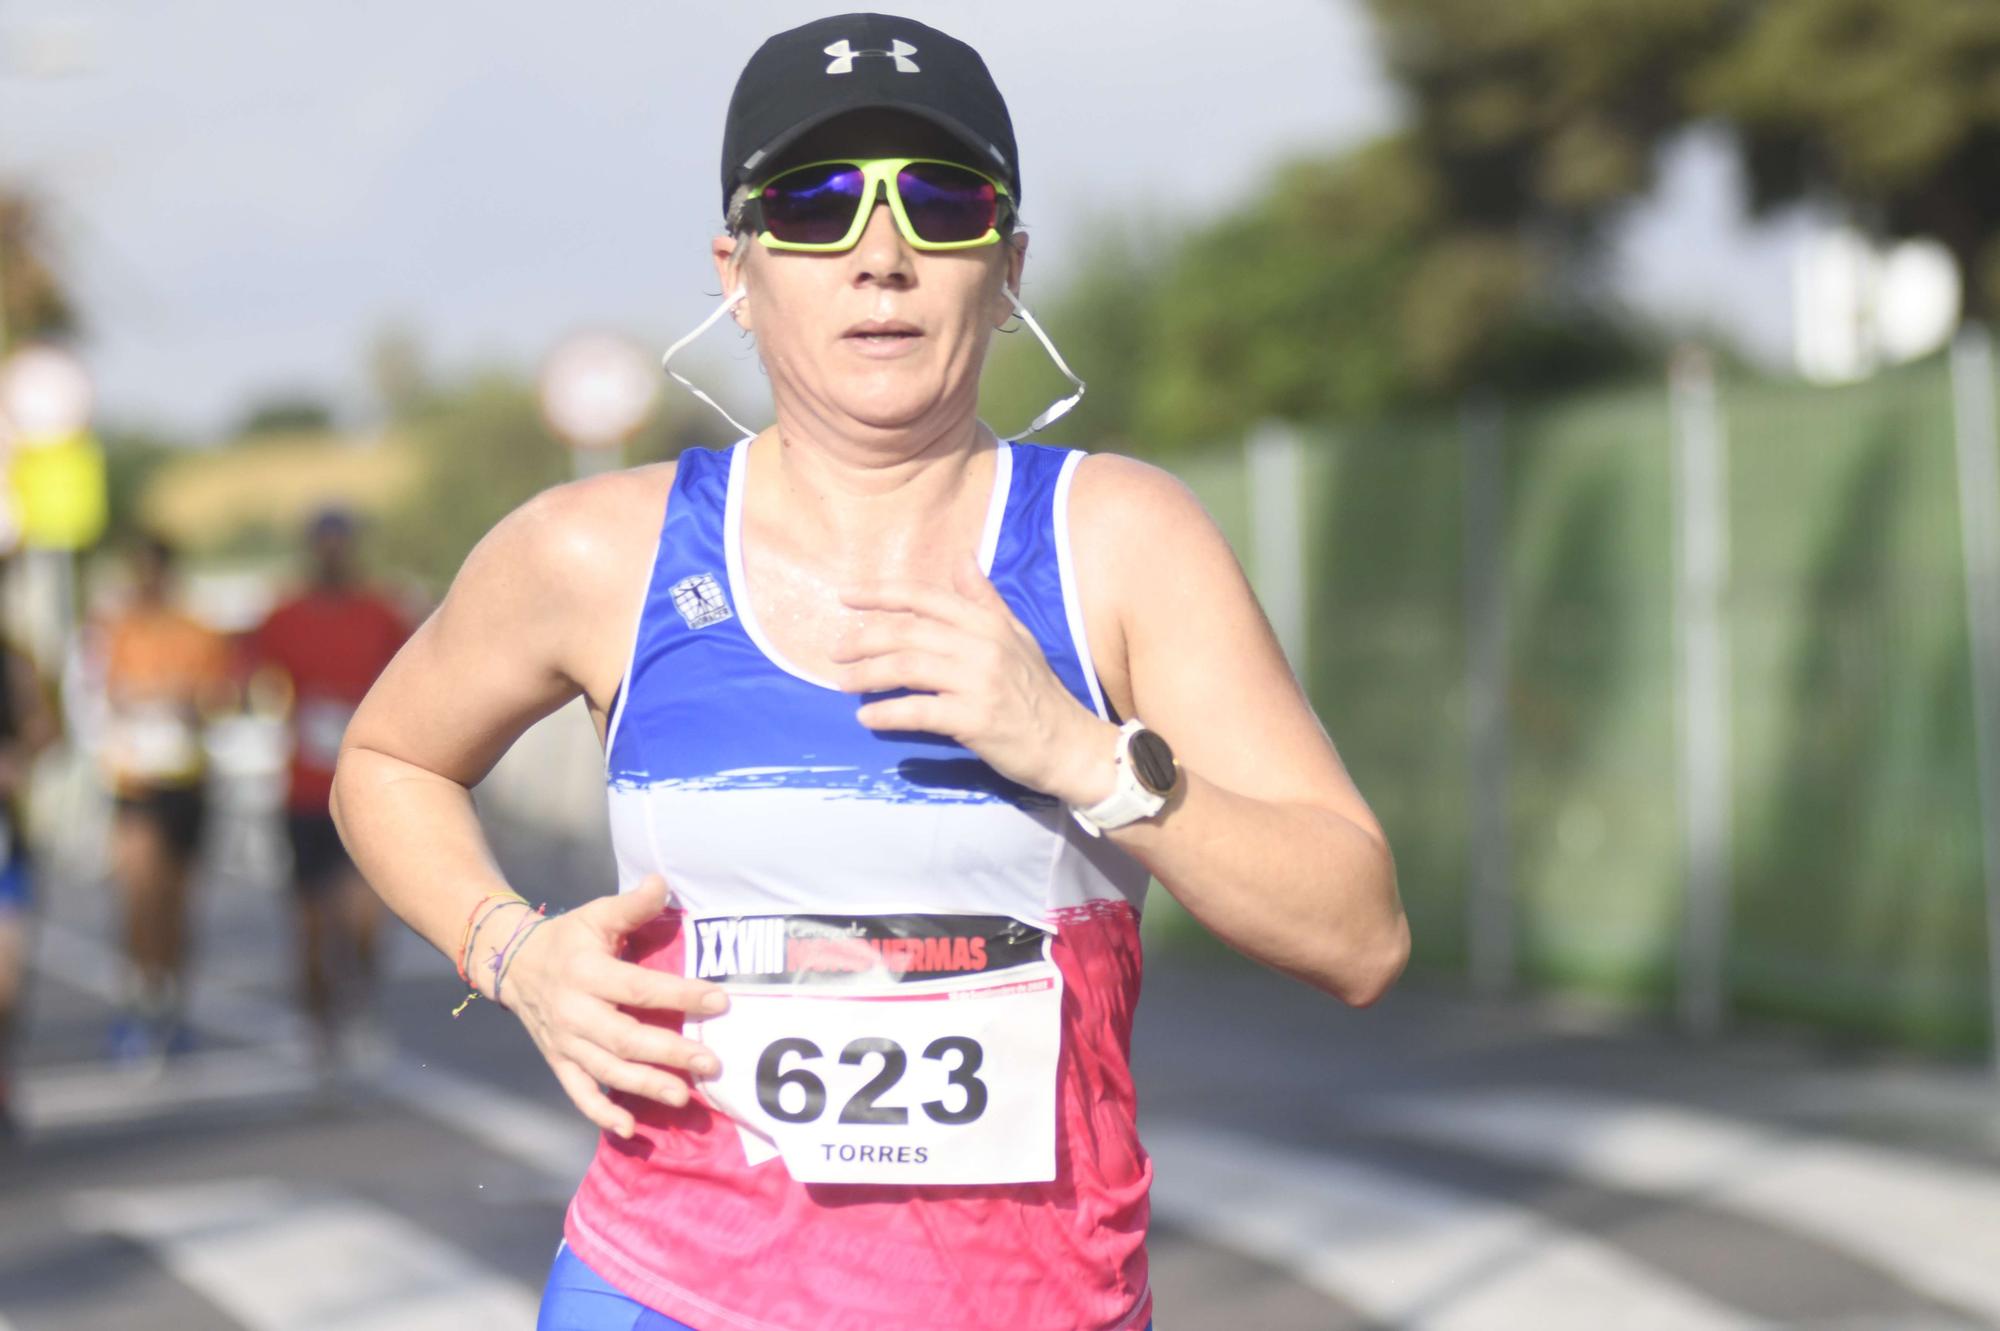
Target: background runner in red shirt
328,643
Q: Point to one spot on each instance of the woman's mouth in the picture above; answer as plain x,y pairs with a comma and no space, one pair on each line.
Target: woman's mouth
883,339
882,332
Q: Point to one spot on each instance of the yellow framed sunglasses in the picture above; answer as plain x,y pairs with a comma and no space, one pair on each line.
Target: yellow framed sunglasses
823,207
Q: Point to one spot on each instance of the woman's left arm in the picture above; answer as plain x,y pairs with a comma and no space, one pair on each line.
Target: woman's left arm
1266,841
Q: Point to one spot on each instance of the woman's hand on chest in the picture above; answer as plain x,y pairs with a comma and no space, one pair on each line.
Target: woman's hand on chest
975,674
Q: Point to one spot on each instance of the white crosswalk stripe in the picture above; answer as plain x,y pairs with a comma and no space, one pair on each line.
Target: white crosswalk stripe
93,1095
277,1258
1931,1223
556,1143
1409,1253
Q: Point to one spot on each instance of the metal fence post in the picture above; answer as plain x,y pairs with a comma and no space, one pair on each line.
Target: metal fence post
1977,428
1701,574
1489,850
1277,535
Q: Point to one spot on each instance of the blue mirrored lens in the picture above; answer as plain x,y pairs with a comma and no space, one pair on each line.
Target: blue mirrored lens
947,203
813,205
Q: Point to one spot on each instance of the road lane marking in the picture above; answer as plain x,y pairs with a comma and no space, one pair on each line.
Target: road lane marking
556,1143
90,1095
553,1142
279,1258
1933,1224
1407,1252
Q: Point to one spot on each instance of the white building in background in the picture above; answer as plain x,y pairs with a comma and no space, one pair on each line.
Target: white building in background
1858,305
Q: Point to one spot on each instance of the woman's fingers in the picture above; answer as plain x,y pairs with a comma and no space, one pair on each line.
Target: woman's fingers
917,712
882,634
595,1105
620,913
923,671
971,582
634,1078
637,1042
569,990
632,986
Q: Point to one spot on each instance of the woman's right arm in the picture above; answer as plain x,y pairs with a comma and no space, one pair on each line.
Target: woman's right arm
530,622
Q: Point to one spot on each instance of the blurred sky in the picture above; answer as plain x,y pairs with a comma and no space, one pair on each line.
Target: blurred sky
249,191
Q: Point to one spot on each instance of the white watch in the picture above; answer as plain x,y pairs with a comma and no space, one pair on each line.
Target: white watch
1146,774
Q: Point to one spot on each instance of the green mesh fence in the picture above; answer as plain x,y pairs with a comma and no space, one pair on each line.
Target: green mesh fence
1856,894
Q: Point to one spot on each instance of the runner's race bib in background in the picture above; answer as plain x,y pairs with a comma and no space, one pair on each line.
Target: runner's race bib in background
321,723
155,742
909,1049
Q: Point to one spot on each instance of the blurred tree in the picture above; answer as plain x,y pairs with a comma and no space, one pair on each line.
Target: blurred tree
284,414
32,303
484,451
1341,291
1294,307
1550,114
131,456
1107,313
1891,106
1551,111
678,422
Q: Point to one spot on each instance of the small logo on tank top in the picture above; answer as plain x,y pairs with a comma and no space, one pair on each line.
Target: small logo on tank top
700,600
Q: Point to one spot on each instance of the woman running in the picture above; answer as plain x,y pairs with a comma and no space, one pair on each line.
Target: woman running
870,684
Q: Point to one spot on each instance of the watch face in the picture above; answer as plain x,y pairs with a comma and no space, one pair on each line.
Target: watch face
1152,761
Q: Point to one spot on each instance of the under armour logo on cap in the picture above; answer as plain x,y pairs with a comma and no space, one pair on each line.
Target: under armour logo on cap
844,55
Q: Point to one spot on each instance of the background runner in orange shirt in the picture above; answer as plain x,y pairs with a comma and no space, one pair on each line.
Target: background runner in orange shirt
328,642
164,671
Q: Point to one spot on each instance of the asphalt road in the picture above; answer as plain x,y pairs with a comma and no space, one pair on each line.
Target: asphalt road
1429,1163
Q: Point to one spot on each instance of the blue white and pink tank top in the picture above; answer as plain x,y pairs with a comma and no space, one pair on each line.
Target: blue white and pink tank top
925,1120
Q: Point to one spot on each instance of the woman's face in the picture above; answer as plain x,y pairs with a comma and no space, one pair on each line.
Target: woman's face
883,335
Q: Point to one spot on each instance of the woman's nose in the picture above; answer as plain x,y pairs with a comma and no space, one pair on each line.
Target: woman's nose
881,255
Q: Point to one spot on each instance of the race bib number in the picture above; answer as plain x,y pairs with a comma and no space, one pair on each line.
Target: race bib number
154,741
910,1049
321,723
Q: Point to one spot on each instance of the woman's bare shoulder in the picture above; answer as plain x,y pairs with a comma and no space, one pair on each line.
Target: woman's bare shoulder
576,533
1133,518
539,595
1111,487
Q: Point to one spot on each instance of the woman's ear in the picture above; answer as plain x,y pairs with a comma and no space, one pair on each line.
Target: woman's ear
1016,259
730,260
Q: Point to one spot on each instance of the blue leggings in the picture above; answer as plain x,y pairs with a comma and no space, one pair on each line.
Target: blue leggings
579,1299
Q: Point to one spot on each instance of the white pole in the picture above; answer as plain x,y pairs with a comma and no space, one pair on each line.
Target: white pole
1978,433
1277,535
588,462
1489,888
1701,575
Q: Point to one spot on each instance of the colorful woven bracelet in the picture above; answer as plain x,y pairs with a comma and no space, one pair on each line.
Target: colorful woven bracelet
471,926
500,976
493,962
472,934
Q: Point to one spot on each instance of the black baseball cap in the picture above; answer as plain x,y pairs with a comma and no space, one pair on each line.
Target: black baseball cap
803,78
